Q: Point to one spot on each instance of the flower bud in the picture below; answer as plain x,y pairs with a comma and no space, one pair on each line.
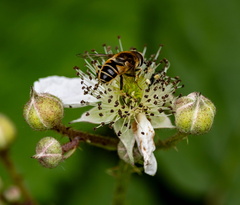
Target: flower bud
7,132
194,114
43,111
48,152
12,194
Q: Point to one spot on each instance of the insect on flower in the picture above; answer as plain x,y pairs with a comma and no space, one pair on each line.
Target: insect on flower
127,91
123,63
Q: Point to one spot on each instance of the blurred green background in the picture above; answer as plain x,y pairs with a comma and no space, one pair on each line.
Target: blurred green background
201,40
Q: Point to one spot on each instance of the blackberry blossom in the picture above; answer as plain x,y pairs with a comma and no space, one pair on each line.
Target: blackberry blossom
134,109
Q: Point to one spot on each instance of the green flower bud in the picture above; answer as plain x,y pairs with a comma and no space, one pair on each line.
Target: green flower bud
49,152
7,132
194,114
43,111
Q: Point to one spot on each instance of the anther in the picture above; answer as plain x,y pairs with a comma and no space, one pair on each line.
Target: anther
76,68
160,110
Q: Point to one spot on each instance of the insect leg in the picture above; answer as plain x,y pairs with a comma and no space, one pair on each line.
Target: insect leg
121,82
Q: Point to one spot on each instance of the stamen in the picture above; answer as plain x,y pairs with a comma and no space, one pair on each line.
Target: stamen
120,43
144,50
105,48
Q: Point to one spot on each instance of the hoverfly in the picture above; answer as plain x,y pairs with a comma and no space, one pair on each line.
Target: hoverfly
122,63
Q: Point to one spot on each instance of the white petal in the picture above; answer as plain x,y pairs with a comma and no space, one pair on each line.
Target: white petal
127,138
144,134
69,90
162,121
151,167
96,116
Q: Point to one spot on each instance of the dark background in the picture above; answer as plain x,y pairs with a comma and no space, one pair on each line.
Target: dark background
201,40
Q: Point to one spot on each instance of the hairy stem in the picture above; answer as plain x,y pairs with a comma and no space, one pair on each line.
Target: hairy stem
122,175
109,143
16,177
171,141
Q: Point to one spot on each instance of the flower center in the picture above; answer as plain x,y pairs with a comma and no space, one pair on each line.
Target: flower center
132,90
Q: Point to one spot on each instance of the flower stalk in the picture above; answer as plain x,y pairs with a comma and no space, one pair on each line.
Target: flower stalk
122,175
171,141
109,143
16,177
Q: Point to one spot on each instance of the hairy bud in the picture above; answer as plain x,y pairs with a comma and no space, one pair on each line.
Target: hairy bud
7,132
194,114
49,152
43,111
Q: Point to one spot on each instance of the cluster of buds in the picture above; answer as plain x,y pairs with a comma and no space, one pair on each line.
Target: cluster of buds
44,112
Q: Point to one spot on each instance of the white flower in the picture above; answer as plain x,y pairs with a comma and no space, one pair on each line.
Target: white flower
142,105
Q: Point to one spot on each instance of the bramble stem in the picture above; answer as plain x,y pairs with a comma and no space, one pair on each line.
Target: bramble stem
109,143
171,141
16,177
122,176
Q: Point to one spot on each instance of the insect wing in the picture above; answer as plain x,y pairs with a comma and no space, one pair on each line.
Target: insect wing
95,55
